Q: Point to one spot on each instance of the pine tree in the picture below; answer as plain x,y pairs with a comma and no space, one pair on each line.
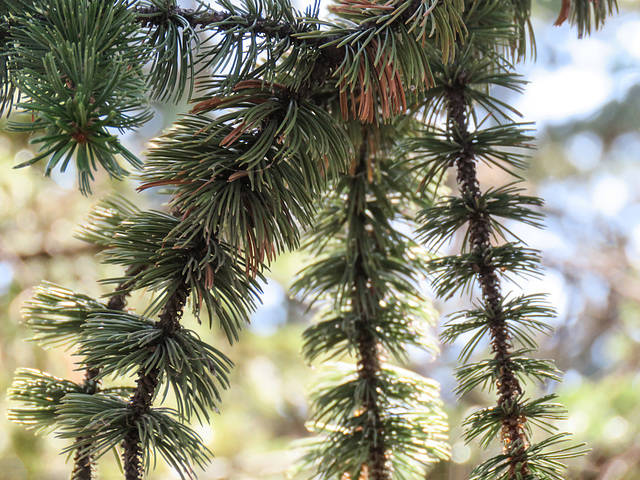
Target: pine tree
298,124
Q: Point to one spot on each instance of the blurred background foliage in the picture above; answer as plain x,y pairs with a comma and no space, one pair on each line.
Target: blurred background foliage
585,97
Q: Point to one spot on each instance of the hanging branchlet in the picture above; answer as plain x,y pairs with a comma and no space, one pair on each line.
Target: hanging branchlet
118,343
377,421
462,91
139,405
57,316
163,354
79,76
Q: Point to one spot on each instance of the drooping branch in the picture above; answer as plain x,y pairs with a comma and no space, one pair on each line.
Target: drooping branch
146,385
462,94
365,297
369,426
83,461
513,433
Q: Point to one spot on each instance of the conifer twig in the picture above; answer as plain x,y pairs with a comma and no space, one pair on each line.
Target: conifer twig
152,15
369,426
343,51
367,345
513,434
146,386
83,461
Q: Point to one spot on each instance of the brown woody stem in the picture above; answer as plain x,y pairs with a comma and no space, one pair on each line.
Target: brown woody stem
513,435
146,385
151,15
367,345
83,461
